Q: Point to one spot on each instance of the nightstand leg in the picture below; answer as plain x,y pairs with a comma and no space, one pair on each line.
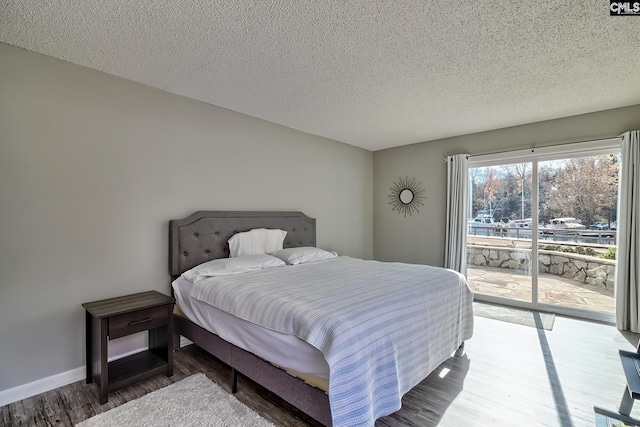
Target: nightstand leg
170,336
104,367
88,346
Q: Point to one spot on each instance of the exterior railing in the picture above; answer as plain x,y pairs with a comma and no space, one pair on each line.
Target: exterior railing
601,237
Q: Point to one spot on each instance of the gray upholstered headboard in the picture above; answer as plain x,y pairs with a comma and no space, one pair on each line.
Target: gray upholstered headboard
203,236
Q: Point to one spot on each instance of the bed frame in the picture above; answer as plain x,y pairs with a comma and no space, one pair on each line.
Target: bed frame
202,237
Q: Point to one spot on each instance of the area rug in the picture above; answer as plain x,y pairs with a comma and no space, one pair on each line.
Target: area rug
519,316
193,401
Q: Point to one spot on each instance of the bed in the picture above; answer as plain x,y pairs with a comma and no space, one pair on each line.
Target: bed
340,356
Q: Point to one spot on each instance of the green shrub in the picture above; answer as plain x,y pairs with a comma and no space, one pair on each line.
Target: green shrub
610,254
586,251
571,249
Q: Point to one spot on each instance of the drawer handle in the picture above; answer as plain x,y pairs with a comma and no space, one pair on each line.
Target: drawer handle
137,322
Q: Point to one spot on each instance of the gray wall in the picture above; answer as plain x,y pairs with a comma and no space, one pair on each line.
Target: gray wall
421,238
92,167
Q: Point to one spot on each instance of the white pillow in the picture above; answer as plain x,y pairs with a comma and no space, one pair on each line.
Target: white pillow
227,266
293,256
256,241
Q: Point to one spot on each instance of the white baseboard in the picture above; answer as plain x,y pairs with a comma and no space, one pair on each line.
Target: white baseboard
49,383
40,386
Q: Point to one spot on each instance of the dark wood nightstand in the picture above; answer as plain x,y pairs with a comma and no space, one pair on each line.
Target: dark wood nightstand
117,317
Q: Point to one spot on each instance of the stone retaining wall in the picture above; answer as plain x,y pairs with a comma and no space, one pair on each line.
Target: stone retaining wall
582,268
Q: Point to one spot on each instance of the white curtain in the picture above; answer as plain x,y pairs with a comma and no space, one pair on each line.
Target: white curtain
627,288
455,256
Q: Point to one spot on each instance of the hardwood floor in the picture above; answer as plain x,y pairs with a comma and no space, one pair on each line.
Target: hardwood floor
510,375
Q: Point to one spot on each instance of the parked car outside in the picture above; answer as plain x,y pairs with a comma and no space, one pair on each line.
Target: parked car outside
599,226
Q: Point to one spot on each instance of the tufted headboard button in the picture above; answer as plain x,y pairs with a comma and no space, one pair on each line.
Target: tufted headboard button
184,253
195,234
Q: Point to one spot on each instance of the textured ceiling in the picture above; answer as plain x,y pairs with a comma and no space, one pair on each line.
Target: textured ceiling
374,74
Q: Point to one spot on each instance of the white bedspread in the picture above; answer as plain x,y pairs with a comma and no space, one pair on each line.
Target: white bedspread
383,327
285,350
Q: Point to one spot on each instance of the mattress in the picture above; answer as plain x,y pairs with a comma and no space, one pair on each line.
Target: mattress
286,351
382,327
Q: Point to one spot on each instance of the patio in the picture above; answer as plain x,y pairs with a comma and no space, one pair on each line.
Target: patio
552,289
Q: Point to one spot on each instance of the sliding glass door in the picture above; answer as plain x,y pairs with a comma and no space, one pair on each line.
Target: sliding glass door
577,245
542,228
499,231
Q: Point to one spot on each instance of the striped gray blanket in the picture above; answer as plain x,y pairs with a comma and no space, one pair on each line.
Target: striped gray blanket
382,327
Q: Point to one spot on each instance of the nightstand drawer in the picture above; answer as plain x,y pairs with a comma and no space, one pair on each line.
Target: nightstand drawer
137,321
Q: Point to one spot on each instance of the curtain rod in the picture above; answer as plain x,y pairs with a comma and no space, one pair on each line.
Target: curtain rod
533,149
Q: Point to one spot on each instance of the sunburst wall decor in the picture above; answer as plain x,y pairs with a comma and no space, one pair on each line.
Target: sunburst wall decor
406,196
